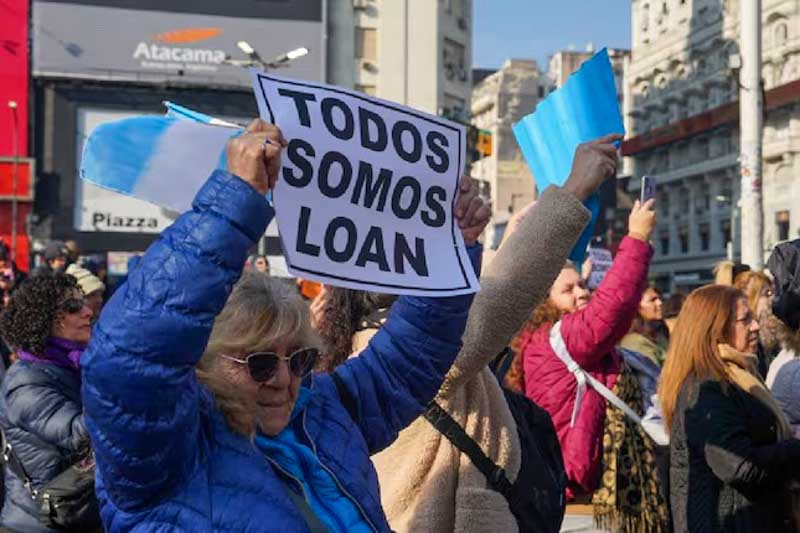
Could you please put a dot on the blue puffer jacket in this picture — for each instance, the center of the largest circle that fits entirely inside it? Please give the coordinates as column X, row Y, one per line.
column 166, row 458
column 40, row 413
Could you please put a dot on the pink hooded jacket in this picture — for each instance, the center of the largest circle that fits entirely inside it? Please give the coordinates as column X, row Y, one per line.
column 590, row 335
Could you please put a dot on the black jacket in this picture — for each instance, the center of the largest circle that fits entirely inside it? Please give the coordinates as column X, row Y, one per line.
column 41, row 416
column 728, row 471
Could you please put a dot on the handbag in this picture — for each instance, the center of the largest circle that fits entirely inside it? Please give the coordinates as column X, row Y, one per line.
column 67, row 502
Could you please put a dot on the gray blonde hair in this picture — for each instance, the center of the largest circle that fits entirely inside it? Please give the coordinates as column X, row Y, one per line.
column 261, row 313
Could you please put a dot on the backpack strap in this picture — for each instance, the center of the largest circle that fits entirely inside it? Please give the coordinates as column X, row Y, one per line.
column 502, row 363
column 314, row 524
column 447, row 426
column 347, row 399
column 584, row 378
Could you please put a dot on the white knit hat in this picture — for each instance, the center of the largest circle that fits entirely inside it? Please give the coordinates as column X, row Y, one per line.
column 87, row 281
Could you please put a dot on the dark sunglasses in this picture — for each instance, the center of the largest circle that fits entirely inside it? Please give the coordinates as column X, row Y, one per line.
column 263, row 365
column 72, row 305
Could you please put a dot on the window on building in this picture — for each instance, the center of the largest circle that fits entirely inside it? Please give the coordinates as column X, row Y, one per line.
column 367, row 89
column 540, row 91
column 663, row 204
column 683, row 239
column 454, row 61
column 683, row 201
column 663, row 239
column 455, row 108
column 702, row 202
column 367, row 44
column 782, row 225
column 726, row 194
column 725, row 230
column 704, row 231
column 781, row 34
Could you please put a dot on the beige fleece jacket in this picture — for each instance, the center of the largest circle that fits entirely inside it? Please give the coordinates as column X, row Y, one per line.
column 426, row 483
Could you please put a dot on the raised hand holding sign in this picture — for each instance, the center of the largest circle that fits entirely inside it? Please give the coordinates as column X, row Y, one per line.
column 367, row 190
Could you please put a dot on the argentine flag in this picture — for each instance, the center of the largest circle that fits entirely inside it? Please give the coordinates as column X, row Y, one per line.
column 162, row 160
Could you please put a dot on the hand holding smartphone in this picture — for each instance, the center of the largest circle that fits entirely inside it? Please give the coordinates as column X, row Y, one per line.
column 648, row 188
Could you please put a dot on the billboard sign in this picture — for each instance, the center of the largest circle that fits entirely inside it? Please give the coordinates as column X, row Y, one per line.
column 186, row 42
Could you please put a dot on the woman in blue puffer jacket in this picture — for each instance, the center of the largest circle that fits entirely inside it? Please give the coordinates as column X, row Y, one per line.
column 204, row 425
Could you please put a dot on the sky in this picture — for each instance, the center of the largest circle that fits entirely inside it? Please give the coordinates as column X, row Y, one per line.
column 537, row 28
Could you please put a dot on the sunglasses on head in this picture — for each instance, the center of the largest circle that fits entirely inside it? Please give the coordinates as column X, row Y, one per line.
column 263, row 365
column 72, row 305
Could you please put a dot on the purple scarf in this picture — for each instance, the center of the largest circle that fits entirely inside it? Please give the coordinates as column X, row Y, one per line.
column 59, row 352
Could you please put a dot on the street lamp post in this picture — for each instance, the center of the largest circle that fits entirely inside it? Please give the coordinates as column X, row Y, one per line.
column 254, row 59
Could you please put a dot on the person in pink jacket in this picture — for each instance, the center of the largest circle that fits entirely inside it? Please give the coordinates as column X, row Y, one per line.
column 608, row 458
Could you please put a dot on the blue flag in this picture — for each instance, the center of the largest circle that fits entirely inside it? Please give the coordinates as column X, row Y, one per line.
column 585, row 108
column 163, row 160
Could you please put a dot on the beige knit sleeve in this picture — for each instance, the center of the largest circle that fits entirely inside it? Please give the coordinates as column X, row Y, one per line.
column 516, row 281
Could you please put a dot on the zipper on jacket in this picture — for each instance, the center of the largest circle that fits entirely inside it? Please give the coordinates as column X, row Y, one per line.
column 290, row 476
column 338, row 484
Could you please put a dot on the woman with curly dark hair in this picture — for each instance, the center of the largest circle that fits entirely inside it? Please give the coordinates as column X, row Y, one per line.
column 346, row 319
column 336, row 313
column 48, row 324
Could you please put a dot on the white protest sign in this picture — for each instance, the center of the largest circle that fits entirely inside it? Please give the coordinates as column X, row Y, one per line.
column 601, row 263
column 366, row 192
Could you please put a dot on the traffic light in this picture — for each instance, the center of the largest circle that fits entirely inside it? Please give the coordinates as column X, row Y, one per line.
column 484, row 144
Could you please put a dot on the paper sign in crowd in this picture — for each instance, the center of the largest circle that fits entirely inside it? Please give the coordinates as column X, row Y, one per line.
column 602, row 260
column 366, row 192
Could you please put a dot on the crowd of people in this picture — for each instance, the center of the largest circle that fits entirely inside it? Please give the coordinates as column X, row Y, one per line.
column 207, row 395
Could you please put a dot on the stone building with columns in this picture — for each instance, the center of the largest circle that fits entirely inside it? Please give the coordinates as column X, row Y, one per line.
column 683, row 114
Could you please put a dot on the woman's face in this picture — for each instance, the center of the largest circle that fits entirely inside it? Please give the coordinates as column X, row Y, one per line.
column 569, row 292
column 74, row 318
column 95, row 302
column 650, row 305
column 745, row 329
column 764, row 302
column 275, row 398
column 261, row 265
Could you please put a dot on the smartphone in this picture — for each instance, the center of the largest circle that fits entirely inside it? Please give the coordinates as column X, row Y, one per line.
column 648, row 188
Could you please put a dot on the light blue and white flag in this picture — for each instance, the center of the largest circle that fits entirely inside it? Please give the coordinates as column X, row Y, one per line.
column 163, row 160
column 585, row 108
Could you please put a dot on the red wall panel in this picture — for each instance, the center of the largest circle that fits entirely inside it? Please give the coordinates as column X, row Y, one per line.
column 14, row 87
column 13, row 74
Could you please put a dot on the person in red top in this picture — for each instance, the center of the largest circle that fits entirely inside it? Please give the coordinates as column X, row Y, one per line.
column 609, row 460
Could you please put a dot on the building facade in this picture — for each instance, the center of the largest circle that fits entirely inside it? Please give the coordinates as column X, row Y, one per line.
column 683, row 112
column 498, row 102
column 413, row 52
